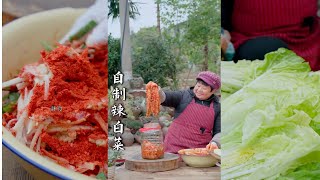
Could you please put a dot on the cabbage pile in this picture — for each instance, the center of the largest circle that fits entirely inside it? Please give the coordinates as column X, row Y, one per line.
column 270, row 118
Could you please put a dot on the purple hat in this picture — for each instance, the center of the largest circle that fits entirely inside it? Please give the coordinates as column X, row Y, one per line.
column 212, row 79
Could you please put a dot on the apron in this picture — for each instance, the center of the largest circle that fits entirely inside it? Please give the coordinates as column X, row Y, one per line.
column 280, row 19
column 191, row 129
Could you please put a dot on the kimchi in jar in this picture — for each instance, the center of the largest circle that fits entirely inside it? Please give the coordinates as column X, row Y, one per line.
column 152, row 146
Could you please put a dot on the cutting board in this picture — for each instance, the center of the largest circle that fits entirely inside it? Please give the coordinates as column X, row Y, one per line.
column 137, row 163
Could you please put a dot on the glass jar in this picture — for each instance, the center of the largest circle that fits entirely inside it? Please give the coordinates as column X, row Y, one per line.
column 152, row 146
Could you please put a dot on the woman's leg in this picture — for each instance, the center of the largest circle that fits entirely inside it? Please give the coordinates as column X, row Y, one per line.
column 256, row 48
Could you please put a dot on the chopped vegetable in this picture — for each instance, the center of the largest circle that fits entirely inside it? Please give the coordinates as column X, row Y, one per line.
column 83, row 31
column 8, row 108
column 211, row 147
column 153, row 99
column 10, row 102
column 83, row 46
column 194, row 152
column 46, row 46
column 152, row 150
column 54, row 120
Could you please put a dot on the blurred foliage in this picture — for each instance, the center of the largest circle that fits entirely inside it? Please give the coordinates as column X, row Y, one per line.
column 114, row 61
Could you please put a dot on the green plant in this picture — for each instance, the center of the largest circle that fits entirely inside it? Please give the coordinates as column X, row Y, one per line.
column 155, row 62
column 110, row 133
column 114, row 9
column 138, row 133
column 114, row 62
column 167, row 123
column 163, row 113
column 141, row 102
column 128, row 105
column 132, row 124
column 194, row 31
column 113, row 155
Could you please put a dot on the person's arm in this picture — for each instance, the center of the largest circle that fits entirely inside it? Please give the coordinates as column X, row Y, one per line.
column 214, row 143
column 227, row 49
column 217, row 128
column 217, row 124
column 226, row 14
column 170, row 98
column 216, row 139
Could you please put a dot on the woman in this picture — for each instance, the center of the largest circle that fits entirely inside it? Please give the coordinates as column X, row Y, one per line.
column 261, row 26
column 197, row 115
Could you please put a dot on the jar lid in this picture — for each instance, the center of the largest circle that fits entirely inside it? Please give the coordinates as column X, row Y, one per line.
column 152, row 125
column 148, row 129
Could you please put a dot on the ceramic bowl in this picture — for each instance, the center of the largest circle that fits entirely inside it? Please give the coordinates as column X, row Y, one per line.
column 21, row 44
column 200, row 161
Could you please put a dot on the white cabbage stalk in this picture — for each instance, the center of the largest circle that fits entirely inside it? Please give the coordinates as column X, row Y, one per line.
column 99, row 142
column 72, row 128
column 41, row 73
column 38, row 145
column 85, row 167
column 12, row 82
column 67, row 136
column 101, row 122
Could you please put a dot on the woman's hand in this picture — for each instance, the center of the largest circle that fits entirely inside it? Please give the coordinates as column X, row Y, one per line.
column 212, row 146
column 226, row 46
column 161, row 94
column 225, row 39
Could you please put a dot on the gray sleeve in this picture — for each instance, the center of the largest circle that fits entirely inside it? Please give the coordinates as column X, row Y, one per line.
column 172, row 98
column 216, row 139
column 217, row 124
column 217, row 119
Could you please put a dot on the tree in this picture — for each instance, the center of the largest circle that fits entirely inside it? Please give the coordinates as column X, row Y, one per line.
column 143, row 36
column 198, row 24
column 120, row 9
column 114, row 9
column 158, row 16
column 152, row 57
column 113, row 58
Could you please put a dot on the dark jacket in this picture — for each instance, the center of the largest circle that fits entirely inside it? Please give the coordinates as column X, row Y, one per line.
column 181, row 99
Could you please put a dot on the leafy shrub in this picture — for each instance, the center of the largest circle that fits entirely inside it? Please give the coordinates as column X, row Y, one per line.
column 114, row 62
column 155, row 62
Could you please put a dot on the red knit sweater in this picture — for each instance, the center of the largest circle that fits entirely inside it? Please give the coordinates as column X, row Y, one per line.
column 283, row 19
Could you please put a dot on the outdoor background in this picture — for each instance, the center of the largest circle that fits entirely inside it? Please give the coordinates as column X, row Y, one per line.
column 171, row 41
